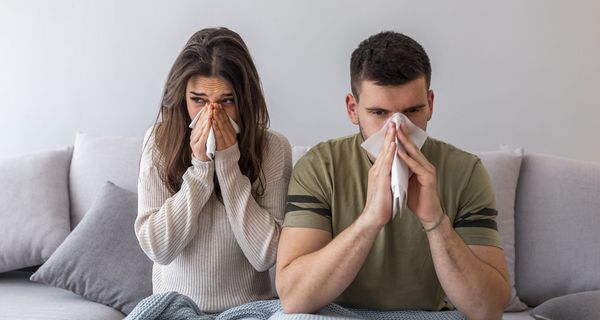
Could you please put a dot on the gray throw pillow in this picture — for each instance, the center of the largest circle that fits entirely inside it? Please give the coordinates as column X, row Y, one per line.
column 504, row 167
column 97, row 159
column 101, row 259
column 34, row 207
column 580, row 306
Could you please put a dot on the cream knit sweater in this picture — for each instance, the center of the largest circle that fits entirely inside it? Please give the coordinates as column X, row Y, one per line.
column 216, row 253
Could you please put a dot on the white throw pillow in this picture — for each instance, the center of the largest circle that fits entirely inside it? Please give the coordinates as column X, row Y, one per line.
column 97, row 159
column 34, row 207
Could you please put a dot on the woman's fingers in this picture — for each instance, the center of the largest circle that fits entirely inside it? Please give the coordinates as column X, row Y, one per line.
column 200, row 133
column 226, row 122
column 226, row 135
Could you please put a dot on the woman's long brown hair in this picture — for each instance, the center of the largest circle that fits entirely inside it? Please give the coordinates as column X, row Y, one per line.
column 214, row 52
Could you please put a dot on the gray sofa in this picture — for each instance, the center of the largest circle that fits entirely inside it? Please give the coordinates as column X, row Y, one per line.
column 554, row 234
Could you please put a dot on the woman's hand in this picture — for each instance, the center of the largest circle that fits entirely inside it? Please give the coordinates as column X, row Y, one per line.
column 200, row 132
column 225, row 134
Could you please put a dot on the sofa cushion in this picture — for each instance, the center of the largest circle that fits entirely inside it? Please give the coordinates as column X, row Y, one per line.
column 580, row 306
column 101, row 259
column 21, row 299
column 97, row 159
column 503, row 167
column 34, row 207
column 557, row 221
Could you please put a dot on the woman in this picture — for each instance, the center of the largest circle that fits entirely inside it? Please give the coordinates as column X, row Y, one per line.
column 211, row 226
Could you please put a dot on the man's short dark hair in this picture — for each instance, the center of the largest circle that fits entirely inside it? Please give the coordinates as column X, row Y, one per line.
column 388, row 58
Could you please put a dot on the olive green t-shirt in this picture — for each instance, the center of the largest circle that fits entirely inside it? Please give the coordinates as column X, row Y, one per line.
column 328, row 190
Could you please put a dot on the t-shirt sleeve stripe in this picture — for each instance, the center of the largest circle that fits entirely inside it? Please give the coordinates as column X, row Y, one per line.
column 486, row 212
column 483, row 223
column 302, row 199
column 321, row 211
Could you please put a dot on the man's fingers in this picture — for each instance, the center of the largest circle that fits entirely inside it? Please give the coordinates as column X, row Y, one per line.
column 409, row 146
column 389, row 157
column 390, row 134
column 413, row 165
column 412, row 150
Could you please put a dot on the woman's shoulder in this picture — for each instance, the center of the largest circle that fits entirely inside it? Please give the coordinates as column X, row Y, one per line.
column 150, row 132
column 277, row 148
column 276, row 140
column 148, row 148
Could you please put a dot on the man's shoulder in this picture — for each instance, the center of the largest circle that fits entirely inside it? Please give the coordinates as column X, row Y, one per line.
column 330, row 151
column 334, row 147
column 440, row 153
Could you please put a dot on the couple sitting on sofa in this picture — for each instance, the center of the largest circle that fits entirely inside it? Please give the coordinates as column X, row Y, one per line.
column 219, row 203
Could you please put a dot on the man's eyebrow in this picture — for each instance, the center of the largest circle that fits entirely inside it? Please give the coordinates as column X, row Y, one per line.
column 415, row 106
column 227, row 94
column 375, row 108
column 198, row 94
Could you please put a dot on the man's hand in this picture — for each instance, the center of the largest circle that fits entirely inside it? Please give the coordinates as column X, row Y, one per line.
column 378, row 208
column 225, row 134
column 422, row 196
column 200, row 134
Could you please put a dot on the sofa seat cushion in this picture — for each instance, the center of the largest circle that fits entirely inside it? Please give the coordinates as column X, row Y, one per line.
column 522, row 315
column 21, row 298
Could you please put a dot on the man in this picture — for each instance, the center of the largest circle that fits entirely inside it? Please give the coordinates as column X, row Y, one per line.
column 339, row 242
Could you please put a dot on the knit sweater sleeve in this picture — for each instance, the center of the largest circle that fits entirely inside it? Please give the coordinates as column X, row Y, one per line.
column 166, row 222
column 256, row 223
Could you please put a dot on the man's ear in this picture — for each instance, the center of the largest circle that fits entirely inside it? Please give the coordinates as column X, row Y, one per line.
column 430, row 96
column 352, row 108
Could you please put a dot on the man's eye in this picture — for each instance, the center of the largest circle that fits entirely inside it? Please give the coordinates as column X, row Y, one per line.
column 414, row 110
column 378, row 113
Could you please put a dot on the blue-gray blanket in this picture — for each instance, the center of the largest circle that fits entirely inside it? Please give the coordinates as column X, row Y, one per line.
column 175, row 306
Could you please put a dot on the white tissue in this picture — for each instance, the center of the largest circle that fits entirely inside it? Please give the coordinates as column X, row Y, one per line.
column 400, row 171
column 211, row 145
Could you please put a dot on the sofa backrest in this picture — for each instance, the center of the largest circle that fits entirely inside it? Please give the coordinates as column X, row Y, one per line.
column 557, row 224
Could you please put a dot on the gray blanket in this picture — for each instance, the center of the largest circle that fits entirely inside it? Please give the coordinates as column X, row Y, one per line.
column 175, row 306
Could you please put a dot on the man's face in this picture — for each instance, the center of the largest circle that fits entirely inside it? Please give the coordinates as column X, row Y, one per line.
column 377, row 103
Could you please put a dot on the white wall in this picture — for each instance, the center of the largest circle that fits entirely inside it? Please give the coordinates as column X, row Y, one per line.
column 523, row 73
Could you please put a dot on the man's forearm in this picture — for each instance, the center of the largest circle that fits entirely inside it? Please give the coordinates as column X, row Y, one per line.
column 312, row 281
column 474, row 287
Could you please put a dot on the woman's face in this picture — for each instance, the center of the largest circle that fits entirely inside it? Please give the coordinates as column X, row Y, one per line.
column 202, row 91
